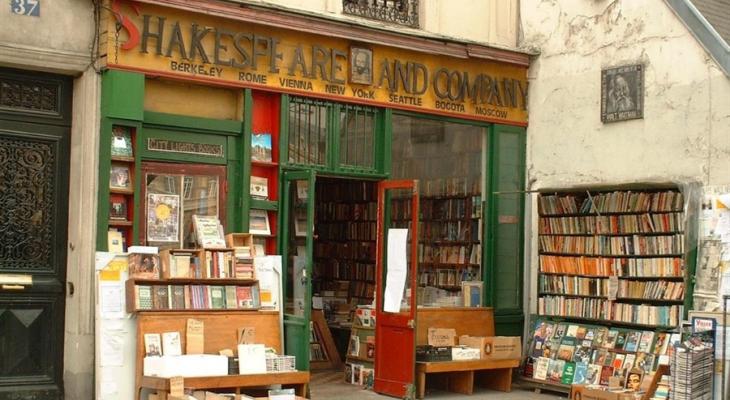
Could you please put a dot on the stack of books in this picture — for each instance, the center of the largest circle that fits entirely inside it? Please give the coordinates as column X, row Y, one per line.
column 244, row 262
column 692, row 370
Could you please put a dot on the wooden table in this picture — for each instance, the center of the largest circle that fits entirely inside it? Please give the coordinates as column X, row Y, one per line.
column 298, row 380
column 459, row 376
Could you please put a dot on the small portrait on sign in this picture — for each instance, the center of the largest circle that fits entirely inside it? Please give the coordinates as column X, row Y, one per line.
column 361, row 65
column 622, row 93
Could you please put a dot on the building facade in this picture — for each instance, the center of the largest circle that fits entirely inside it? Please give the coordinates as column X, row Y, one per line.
column 49, row 102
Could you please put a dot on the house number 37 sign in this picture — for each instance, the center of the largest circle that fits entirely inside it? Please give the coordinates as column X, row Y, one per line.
column 26, row 7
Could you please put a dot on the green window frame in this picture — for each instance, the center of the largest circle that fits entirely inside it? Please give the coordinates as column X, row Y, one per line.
column 326, row 136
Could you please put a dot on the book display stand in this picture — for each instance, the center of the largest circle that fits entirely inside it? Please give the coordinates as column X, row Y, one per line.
column 322, row 349
column 121, row 187
column 611, row 285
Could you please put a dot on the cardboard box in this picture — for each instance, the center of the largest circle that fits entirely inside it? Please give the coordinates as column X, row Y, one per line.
column 464, row 353
column 583, row 392
column 502, row 348
column 441, row 337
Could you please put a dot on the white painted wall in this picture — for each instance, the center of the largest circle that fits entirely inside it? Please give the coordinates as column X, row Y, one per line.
column 60, row 41
column 493, row 22
column 685, row 133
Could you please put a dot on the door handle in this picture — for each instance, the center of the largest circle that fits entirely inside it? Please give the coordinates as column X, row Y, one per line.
column 16, row 280
column 13, row 287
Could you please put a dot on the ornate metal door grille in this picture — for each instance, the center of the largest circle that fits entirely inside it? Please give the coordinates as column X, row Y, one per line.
column 403, row 12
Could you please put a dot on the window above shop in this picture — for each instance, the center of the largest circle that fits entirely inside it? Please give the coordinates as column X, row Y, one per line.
column 402, row 12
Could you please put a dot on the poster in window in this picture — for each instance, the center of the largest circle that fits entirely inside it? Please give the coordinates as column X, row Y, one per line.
column 163, row 217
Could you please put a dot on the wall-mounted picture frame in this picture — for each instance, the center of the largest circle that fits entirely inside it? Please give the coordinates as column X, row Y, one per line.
column 119, row 177
column 261, row 147
column 361, row 65
column 622, row 93
column 258, row 223
column 118, row 207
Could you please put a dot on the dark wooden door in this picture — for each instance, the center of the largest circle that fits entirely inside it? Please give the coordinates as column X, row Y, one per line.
column 34, row 162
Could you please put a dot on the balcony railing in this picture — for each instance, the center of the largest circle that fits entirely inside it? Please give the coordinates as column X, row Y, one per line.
column 403, row 12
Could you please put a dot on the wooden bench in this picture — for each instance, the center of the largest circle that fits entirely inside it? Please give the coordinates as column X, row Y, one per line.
column 297, row 380
column 461, row 376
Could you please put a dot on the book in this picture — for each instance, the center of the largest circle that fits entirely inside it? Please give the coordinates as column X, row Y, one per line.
column 541, row 368
column 629, row 361
column 600, row 337
column 259, row 187
column 171, row 344
column 261, row 147
column 618, row 361
column 582, row 354
column 208, row 231
column 572, row 331
column 608, row 361
column 152, row 344
column 660, row 346
column 594, row 374
column 180, row 265
column 568, row 373
column 632, row 341
column 217, row 297
column 121, row 141
column 566, row 349
column 177, row 294
column 611, row 338
column 258, row 222
column 118, row 207
column 143, row 296
column 606, row 374
column 644, row 361
column 143, row 265
column 160, row 297
column 231, row 301
column 620, row 340
column 581, row 333
column 555, row 370
column 244, row 297
column 115, row 241
column 581, row 373
column 538, row 345
column 599, row 356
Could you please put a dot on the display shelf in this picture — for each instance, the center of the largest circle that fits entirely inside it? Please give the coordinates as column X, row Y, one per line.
column 658, row 277
column 119, row 222
column 618, row 298
column 609, row 213
column 608, row 323
column 121, row 191
column 122, row 158
column 668, row 255
column 260, row 204
column 264, row 163
column 663, row 233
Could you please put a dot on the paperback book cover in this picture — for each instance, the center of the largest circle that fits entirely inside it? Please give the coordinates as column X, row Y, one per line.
column 594, row 374
column 618, row 362
column 610, row 341
column 581, row 334
column 581, row 373
column 160, row 297
column 662, row 342
column 541, row 368
column 610, row 356
column 560, row 331
column 629, row 361
column 217, row 297
column 178, row 297
column 144, row 297
column 645, row 361
column 566, row 349
column 572, row 331
column 599, row 356
column 620, row 340
column 606, row 374
column 600, row 338
column 555, row 370
column 231, row 297
column 647, row 337
column 537, row 346
column 568, row 373
column 171, row 344
column 590, row 334
column 632, row 341
column 582, row 354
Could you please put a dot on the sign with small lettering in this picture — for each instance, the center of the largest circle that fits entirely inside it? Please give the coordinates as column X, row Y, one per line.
column 169, row 42
column 201, row 149
column 26, row 7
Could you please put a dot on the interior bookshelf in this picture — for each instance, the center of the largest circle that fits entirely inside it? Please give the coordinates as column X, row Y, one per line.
column 121, row 185
column 192, row 295
column 449, row 233
column 264, row 179
column 614, row 255
column 323, row 352
column 344, row 252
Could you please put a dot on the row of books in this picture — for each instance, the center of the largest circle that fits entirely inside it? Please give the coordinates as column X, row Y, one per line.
column 662, row 290
column 353, row 250
column 346, row 231
column 613, row 245
column 316, row 353
column 333, row 268
column 616, row 224
column 606, row 266
column 448, row 277
column 573, row 285
column 618, row 201
column 580, row 373
column 329, row 212
column 604, row 309
column 195, row 297
column 451, row 208
column 460, row 230
column 444, row 254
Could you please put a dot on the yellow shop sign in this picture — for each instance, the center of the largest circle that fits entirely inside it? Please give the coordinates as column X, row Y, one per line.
column 178, row 44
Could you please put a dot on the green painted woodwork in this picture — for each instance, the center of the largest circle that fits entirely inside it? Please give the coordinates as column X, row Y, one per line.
column 245, row 152
column 193, row 124
column 122, row 95
column 508, row 325
column 296, row 327
column 384, row 160
column 264, row 204
column 169, row 134
column 503, row 271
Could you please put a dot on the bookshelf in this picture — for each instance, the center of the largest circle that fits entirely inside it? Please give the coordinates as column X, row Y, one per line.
column 449, row 235
column 323, row 352
column 344, row 252
column 121, row 186
column 609, row 261
column 360, row 356
column 615, row 256
column 264, row 172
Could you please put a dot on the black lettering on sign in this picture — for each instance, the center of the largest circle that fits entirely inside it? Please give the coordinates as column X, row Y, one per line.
column 147, row 34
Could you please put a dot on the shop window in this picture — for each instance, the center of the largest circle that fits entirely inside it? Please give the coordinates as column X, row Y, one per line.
column 172, row 194
column 448, row 161
column 333, row 136
column 308, row 132
column 357, row 137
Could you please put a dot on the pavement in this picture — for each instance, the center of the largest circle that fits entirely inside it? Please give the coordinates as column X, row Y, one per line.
column 329, row 385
